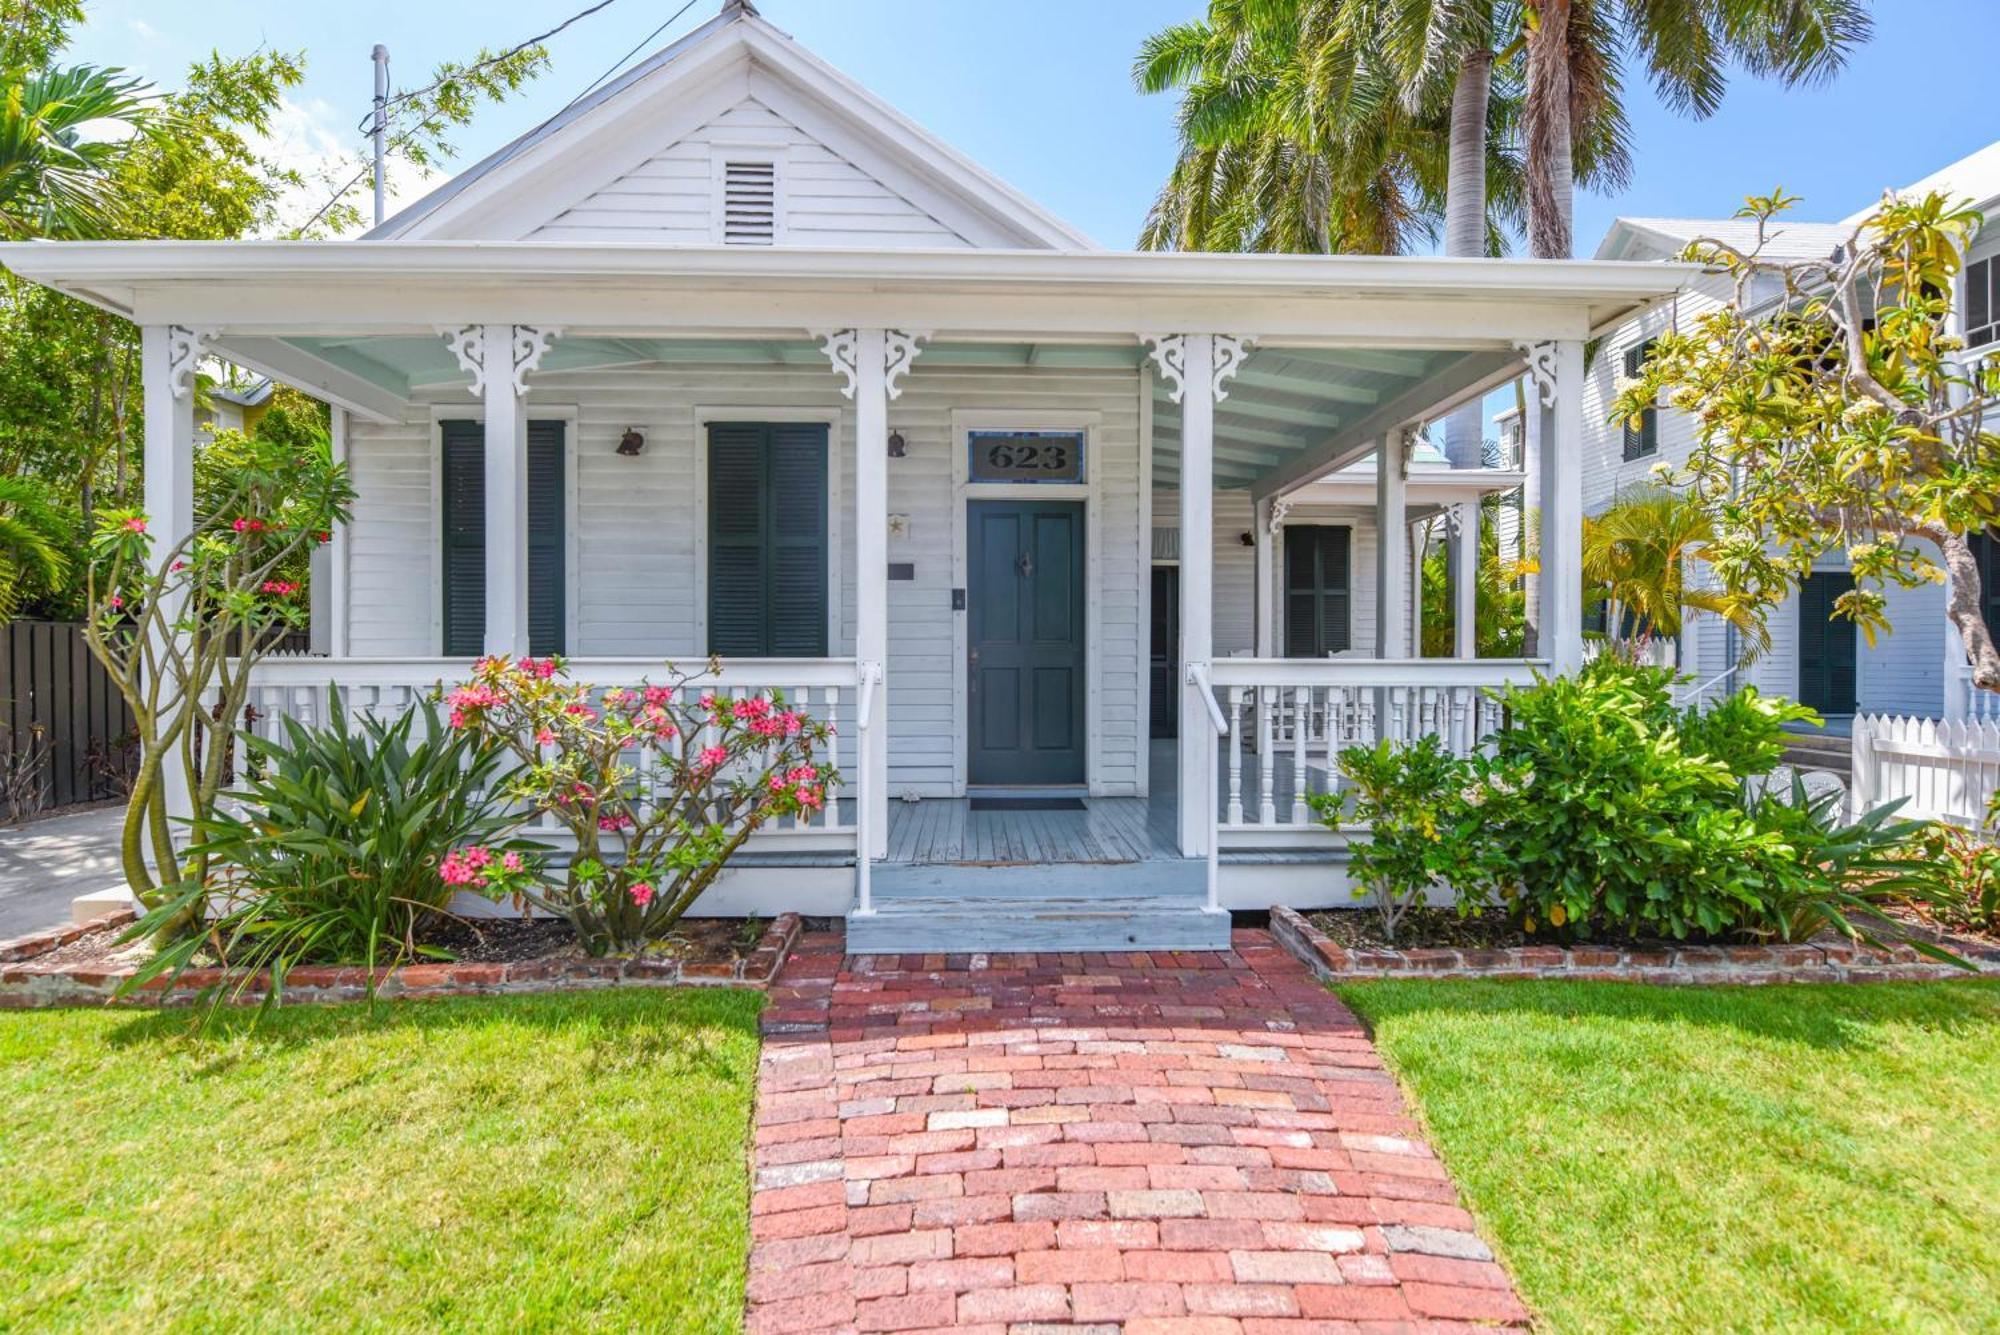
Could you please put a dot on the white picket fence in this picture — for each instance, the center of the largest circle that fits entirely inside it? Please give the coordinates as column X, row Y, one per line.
column 1948, row 771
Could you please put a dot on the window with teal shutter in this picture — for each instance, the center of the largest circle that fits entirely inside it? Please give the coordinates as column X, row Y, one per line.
column 1643, row 439
column 767, row 557
column 1317, row 590
column 464, row 538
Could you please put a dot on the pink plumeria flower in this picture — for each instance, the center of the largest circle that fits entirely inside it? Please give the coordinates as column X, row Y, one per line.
column 712, row 757
column 642, row 893
column 135, row 524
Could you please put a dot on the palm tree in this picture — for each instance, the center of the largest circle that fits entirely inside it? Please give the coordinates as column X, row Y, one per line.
column 33, row 535
column 1637, row 556
column 1574, row 52
column 1296, row 135
column 55, row 180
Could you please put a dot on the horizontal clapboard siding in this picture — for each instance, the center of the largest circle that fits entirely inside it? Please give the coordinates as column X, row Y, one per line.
column 673, row 198
column 635, row 585
column 1235, row 579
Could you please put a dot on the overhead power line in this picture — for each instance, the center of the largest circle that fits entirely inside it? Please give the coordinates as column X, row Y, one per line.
column 368, row 120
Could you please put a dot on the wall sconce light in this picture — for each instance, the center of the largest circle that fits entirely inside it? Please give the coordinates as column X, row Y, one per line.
column 898, row 447
column 1248, row 539
column 631, row 443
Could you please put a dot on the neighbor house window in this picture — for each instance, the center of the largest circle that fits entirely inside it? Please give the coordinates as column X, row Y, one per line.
column 1986, row 551
column 1642, row 438
column 1982, row 302
column 463, row 525
column 767, row 558
column 1317, row 582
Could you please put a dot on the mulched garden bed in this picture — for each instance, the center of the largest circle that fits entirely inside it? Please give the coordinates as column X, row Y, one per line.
column 84, row 964
column 1348, row 944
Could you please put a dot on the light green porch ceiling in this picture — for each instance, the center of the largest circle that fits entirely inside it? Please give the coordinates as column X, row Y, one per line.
column 1283, row 401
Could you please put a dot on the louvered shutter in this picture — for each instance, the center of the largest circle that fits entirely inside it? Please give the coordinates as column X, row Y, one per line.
column 464, row 537
column 464, row 531
column 796, row 483
column 547, row 592
column 1643, row 439
column 737, row 612
column 1317, row 595
column 767, row 558
column 1986, row 551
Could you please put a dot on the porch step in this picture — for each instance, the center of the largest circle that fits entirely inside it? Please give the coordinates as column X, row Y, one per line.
column 961, row 908
column 1818, row 751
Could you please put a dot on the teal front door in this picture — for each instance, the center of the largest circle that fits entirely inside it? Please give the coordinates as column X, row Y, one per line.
column 1025, row 662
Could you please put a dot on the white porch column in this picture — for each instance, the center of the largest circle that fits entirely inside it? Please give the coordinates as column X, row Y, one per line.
column 1464, row 522
column 873, row 362
column 1197, row 368
column 499, row 358
column 1392, row 562
column 329, row 566
column 1268, row 520
column 168, row 356
column 1558, row 371
column 1420, row 546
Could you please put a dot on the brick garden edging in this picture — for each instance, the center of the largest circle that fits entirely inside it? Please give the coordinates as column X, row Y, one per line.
column 1830, row 962
column 26, row 985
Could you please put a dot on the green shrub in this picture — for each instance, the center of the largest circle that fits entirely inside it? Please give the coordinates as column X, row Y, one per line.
column 1967, row 866
column 1833, row 874
column 1606, row 806
column 1418, row 822
column 1604, row 810
column 330, row 853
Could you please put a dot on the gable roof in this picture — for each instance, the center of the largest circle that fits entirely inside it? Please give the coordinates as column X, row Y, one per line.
column 1665, row 238
column 590, row 142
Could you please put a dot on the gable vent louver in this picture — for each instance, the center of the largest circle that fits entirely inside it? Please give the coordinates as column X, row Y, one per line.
column 749, row 203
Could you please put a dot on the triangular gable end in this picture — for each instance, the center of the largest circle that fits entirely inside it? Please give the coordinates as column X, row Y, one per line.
column 733, row 135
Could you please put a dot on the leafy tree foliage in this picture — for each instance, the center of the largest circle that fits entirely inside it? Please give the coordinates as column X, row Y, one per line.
column 1835, row 412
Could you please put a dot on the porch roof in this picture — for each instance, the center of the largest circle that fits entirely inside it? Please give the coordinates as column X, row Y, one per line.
column 1347, row 347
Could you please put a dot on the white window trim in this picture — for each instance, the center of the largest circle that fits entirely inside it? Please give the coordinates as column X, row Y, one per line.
column 749, row 150
column 963, row 423
column 830, row 418
column 565, row 413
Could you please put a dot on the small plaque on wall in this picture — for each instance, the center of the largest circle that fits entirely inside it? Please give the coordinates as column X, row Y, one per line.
column 902, row 570
column 1025, row 456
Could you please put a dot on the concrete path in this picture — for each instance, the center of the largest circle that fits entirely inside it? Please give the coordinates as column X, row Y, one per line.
column 45, row 863
column 1202, row 1143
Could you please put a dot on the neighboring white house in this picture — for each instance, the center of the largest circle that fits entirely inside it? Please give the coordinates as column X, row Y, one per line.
column 1920, row 669
column 730, row 358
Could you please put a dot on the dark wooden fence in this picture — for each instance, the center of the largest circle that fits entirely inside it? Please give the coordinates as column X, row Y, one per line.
column 68, row 734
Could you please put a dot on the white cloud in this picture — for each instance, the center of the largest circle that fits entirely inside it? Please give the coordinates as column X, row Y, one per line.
column 143, row 30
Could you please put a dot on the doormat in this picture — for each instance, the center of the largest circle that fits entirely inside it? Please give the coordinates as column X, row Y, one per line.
column 1027, row 804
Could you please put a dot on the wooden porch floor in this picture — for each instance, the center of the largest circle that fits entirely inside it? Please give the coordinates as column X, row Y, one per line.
column 946, row 831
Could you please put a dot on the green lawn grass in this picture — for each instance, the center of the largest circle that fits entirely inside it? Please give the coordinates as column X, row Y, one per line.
column 519, row 1163
column 1779, row 1158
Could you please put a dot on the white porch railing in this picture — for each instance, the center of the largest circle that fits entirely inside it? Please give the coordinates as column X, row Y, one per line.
column 1965, row 700
column 825, row 688
column 1289, row 719
column 1945, row 771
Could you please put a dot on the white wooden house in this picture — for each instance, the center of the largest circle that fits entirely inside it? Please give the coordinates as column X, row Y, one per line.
column 730, row 357
column 1920, row 669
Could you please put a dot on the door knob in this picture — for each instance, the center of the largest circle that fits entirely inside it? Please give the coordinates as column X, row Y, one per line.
column 1026, row 565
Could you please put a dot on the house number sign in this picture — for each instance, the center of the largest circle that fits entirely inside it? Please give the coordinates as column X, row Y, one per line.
column 1026, row 456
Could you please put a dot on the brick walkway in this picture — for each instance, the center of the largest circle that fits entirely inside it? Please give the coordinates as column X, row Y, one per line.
column 1149, row 1143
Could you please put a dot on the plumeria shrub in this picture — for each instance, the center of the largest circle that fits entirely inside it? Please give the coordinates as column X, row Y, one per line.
column 180, row 631
column 658, row 784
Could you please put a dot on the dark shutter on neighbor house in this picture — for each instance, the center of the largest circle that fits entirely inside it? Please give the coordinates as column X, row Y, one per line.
column 1643, row 439
column 1317, row 582
column 464, row 538
column 767, row 558
column 1986, row 551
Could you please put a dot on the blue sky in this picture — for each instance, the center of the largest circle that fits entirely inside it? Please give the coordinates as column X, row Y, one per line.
column 1039, row 90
